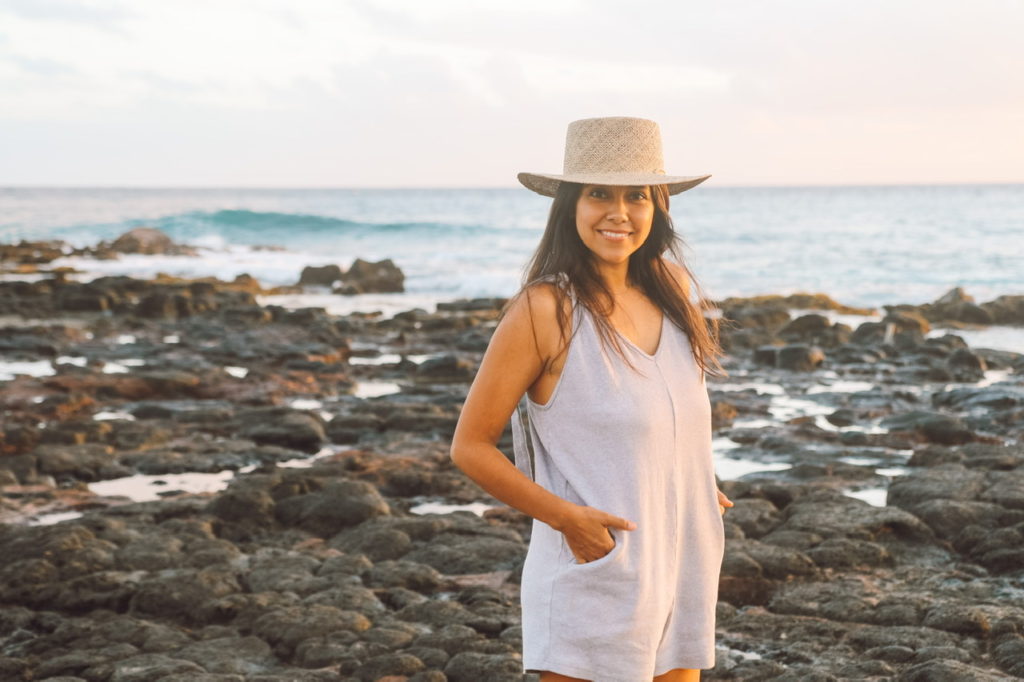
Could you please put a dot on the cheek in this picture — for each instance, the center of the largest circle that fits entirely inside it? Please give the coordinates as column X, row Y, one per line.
column 646, row 218
column 586, row 217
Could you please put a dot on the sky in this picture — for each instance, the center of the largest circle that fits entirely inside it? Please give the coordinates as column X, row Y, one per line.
column 466, row 93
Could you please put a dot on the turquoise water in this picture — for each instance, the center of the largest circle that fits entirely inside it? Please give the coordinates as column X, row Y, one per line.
column 861, row 245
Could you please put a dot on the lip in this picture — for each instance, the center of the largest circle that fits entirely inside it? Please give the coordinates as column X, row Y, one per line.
column 623, row 233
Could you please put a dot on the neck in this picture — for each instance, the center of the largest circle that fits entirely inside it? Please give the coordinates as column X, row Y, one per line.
column 615, row 278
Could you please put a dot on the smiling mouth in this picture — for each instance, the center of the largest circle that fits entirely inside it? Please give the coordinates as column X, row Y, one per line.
column 614, row 236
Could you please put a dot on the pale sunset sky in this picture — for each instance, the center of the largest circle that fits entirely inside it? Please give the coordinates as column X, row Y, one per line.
column 461, row 93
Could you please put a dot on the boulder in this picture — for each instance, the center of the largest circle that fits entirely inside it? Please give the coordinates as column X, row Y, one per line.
column 283, row 426
column 470, row 666
column 364, row 277
column 323, row 275
column 1006, row 309
column 339, row 505
column 934, row 427
column 799, row 357
column 149, row 241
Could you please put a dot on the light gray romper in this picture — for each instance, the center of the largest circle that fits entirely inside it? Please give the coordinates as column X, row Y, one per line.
column 639, row 447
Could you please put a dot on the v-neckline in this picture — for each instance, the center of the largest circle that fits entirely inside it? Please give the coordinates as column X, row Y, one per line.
column 661, row 340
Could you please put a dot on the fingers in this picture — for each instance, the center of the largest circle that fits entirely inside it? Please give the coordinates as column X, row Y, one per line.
column 590, row 538
column 723, row 502
column 593, row 552
column 610, row 521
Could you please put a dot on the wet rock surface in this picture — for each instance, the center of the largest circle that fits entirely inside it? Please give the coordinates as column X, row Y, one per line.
column 879, row 533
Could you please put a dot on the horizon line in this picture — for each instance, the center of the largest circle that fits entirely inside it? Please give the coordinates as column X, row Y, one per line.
column 489, row 187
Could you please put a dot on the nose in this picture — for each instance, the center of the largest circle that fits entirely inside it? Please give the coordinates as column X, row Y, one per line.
column 617, row 212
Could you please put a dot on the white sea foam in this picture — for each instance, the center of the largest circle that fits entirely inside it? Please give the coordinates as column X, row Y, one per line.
column 729, row 468
column 113, row 414
column 144, row 487
column 304, row 404
column 374, row 389
column 50, row 519
column 477, row 508
column 33, row 368
column 996, row 337
column 873, row 496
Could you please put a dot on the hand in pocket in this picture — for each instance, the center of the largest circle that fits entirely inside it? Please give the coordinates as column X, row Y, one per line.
column 586, row 532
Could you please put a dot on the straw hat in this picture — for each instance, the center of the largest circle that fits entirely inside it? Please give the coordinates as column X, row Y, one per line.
column 616, row 150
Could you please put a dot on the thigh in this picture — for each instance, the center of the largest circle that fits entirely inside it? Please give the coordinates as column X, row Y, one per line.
column 677, row 675
column 680, row 675
column 548, row 676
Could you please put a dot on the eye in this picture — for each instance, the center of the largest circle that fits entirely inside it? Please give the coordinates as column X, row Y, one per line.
column 597, row 193
column 638, row 195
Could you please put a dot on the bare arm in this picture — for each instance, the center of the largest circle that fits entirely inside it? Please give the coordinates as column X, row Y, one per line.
column 513, row 361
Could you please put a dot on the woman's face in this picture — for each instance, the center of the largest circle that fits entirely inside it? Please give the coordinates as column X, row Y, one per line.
column 614, row 221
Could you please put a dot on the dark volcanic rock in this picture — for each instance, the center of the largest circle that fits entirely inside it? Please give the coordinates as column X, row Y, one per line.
column 948, row 671
column 794, row 357
column 408, row 574
column 469, row 666
column 323, row 275
column 146, row 667
column 149, row 241
column 445, row 368
column 831, row 514
column 366, row 277
column 339, row 505
column 283, row 426
column 184, row 593
column 933, row 426
column 286, row 628
column 1006, row 310
column 230, row 655
column 400, row 664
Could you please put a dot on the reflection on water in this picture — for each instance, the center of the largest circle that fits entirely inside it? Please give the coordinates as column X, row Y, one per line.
column 145, row 487
column 477, row 508
column 729, row 468
column 873, row 496
column 33, row 368
column 374, row 389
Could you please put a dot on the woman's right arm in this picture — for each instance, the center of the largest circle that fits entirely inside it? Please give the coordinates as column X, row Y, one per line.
column 514, row 359
column 511, row 364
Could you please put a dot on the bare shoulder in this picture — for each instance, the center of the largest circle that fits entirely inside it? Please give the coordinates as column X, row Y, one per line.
column 535, row 311
column 679, row 275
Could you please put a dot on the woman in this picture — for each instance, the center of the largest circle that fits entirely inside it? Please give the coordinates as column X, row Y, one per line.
column 620, row 581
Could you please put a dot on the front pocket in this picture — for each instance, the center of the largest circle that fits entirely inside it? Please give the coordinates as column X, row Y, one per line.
column 600, row 560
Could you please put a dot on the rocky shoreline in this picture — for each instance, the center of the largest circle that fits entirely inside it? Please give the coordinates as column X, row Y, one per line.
column 878, row 533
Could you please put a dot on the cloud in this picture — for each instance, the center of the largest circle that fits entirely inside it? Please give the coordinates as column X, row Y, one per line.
column 40, row 66
column 457, row 91
column 92, row 13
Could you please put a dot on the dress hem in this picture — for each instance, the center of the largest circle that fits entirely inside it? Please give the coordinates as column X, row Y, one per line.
column 591, row 674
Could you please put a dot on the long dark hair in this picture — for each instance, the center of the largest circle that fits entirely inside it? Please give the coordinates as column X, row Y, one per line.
column 563, row 259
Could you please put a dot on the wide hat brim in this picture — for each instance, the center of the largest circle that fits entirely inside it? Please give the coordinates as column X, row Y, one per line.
column 547, row 184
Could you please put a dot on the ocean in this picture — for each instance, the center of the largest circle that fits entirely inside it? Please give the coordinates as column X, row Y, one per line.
column 864, row 246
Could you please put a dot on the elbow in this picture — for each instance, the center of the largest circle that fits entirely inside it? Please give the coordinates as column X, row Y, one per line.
column 457, row 454
column 466, row 453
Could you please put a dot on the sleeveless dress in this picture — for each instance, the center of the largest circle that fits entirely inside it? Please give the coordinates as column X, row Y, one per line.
column 637, row 446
